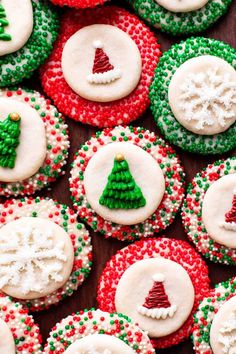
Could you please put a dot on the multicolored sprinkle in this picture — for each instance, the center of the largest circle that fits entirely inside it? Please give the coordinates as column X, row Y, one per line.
column 192, row 212
column 66, row 218
column 175, row 250
column 165, row 157
column 25, row 332
column 88, row 322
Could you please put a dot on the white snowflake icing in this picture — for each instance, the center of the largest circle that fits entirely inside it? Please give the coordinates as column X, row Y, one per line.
column 24, row 255
column 228, row 335
column 208, row 97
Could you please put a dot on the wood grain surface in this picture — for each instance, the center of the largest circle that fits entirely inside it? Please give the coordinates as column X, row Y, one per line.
column 103, row 249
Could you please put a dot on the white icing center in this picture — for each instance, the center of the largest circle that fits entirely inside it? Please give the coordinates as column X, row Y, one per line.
column 218, row 211
column 182, row 5
column 7, row 344
column 223, row 329
column 156, row 293
column 202, row 95
column 147, row 175
column 30, row 257
column 101, row 63
column 20, row 26
column 99, row 344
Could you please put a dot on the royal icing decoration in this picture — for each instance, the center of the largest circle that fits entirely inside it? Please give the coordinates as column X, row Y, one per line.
column 202, row 95
column 157, row 304
column 103, row 71
column 230, row 217
column 227, row 334
column 3, row 23
column 208, row 96
column 24, row 256
column 121, row 191
column 9, row 140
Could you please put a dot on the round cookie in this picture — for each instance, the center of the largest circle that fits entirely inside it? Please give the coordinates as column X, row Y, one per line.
column 142, row 197
column 214, row 322
column 80, row 4
column 208, row 211
column 26, row 38
column 37, row 148
column 148, row 280
column 181, row 17
column 48, row 254
column 193, row 95
column 103, row 66
column 97, row 331
column 18, row 332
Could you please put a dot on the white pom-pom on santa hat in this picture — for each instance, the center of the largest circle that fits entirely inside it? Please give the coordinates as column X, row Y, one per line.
column 158, row 277
column 97, row 44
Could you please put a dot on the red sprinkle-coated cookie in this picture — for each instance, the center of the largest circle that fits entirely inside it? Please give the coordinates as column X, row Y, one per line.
column 174, row 250
column 80, row 4
column 108, row 114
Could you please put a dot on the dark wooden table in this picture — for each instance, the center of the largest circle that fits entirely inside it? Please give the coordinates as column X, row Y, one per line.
column 103, row 249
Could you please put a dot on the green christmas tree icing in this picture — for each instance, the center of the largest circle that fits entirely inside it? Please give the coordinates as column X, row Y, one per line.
column 3, row 23
column 121, row 191
column 9, row 140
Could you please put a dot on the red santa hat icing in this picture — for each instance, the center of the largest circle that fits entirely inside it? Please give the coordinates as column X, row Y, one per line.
column 103, row 71
column 230, row 216
column 157, row 304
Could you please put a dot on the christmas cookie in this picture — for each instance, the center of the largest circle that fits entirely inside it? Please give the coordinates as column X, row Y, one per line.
column 193, row 96
column 44, row 253
column 27, row 33
column 103, row 61
column 97, row 332
column 209, row 213
column 126, row 183
column 18, row 332
column 158, row 283
column 80, row 4
column 33, row 142
column 181, row 17
column 215, row 321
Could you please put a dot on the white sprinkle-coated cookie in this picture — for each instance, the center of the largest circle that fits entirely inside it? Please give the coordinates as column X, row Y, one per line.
column 208, row 211
column 43, row 142
column 104, row 332
column 163, row 160
column 214, row 321
column 32, row 250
